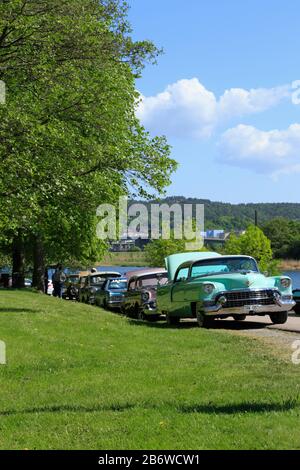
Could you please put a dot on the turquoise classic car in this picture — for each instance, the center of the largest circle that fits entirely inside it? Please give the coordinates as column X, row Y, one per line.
column 207, row 286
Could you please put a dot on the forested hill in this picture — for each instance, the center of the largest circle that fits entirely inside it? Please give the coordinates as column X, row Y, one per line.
column 222, row 215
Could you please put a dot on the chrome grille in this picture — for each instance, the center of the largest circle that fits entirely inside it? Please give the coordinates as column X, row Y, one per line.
column 249, row 297
column 117, row 298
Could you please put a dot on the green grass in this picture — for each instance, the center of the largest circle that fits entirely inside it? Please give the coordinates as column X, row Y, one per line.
column 80, row 378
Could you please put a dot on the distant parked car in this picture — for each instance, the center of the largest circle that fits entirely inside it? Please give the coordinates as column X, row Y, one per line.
column 140, row 297
column 28, row 282
column 296, row 295
column 94, row 282
column 111, row 294
column 71, row 287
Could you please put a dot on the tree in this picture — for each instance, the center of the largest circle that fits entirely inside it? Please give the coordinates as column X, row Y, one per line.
column 157, row 250
column 284, row 235
column 69, row 137
column 252, row 243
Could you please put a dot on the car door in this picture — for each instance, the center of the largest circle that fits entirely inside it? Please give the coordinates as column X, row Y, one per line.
column 100, row 295
column 130, row 294
column 180, row 306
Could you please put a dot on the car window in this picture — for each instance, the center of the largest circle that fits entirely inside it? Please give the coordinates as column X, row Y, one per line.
column 183, row 273
column 199, row 270
column 152, row 280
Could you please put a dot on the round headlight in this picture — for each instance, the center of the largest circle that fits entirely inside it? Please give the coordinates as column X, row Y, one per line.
column 145, row 296
column 285, row 282
column 208, row 288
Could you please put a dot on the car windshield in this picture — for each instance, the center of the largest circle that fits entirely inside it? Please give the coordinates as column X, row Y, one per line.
column 107, row 275
column 117, row 285
column 99, row 280
column 74, row 279
column 152, row 280
column 224, row 266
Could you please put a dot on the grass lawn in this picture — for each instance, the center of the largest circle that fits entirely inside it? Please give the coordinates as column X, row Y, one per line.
column 81, row 378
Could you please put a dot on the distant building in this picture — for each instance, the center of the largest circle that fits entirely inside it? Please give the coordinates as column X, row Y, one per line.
column 122, row 245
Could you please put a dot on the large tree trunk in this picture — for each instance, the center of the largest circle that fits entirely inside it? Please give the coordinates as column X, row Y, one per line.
column 18, row 255
column 38, row 278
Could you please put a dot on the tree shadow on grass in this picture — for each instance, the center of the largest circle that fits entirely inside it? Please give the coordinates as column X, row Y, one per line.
column 163, row 324
column 17, row 310
column 236, row 408
column 209, row 408
column 117, row 407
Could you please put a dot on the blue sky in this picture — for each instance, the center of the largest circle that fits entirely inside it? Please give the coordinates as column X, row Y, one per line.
column 222, row 93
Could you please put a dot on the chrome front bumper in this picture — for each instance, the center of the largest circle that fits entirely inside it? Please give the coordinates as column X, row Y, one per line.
column 115, row 303
column 257, row 309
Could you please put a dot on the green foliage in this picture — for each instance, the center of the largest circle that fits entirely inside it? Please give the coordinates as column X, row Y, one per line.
column 135, row 249
column 285, row 237
column 229, row 217
column 252, row 243
column 70, row 139
column 157, row 250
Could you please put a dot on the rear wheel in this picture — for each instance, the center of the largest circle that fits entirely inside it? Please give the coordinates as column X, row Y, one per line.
column 279, row 318
column 239, row 317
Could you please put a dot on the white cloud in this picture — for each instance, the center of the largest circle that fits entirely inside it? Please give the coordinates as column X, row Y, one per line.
column 274, row 152
column 187, row 109
column 238, row 102
column 184, row 109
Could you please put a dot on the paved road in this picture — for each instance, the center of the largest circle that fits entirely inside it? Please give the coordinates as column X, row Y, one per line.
column 292, row 325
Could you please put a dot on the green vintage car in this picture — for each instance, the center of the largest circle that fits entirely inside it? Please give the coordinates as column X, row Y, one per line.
column 207, row 286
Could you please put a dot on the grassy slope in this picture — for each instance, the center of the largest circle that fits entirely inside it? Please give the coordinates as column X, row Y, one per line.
column 78, row 377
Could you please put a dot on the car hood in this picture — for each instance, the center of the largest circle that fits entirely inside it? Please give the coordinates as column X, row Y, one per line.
column 239, row 281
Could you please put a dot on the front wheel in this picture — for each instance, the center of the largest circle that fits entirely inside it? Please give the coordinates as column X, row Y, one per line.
column 239, row 317
column 203, row 320
column 297, row 309
column 140, row 314
column 279, row 318
column 172, row 321
column 123, row 310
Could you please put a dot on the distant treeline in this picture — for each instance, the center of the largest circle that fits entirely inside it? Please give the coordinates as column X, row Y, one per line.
column 223, row 215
